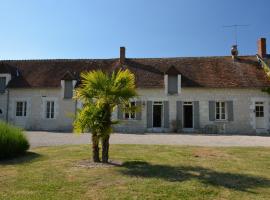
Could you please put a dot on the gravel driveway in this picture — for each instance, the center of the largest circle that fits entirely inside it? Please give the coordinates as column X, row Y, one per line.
column 38, row 138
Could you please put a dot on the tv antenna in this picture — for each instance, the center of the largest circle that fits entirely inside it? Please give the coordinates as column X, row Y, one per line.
column 235, row 28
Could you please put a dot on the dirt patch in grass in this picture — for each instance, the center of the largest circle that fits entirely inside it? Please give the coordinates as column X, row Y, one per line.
column 209, row 152
column 91, row 164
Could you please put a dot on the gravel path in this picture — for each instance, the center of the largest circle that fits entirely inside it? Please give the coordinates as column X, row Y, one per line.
column 38, row 138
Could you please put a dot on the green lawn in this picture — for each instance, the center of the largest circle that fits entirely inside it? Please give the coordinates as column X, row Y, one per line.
column 148, row 172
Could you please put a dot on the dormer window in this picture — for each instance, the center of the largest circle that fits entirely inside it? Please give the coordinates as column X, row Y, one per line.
column 68, row 82
column 172, row 81
column 68, row 90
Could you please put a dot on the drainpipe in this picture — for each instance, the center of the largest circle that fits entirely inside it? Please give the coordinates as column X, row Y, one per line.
column 7, row 105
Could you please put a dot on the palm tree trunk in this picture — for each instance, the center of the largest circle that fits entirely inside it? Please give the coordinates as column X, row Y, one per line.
column 105, row 148
column 95, row 148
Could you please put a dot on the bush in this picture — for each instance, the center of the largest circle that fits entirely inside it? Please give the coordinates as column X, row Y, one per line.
column 12, row 141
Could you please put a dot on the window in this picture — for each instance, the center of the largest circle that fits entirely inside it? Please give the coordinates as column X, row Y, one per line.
column 21, row 107
column 259, row 109
column 50, row 110
column 68, row 90
column 220, row 110
column 2, row 84
column 130, row 114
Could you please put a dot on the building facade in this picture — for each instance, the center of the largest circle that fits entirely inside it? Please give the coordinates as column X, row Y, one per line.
column 204, row 95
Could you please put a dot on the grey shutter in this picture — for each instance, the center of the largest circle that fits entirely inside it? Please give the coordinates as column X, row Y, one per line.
column 230, row 110
column 149, row 114
column 68, row 90
column 172, row 84
column 166, row 114
column 119, row 113
column 212, row 111
column 2, row 84
column 179, row 111
column 139, row 111
column 196, row 115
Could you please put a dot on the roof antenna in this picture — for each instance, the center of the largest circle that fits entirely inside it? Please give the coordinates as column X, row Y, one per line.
column 235, row 28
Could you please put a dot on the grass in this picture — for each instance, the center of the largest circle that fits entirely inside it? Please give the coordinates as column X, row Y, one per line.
column 12, row 141
column 148, row 172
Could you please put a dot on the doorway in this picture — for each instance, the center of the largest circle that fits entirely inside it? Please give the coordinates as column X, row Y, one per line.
column 157, row 114
column 260, row 115
column 188, row 115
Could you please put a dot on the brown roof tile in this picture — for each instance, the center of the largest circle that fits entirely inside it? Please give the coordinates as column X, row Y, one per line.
column 214, row 72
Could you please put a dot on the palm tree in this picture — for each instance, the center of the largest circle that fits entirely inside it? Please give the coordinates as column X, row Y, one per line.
column 100, row 94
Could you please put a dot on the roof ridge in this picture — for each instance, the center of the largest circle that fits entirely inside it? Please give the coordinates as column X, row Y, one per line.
column 108, row 59
column 190, row 57
column 59, row 59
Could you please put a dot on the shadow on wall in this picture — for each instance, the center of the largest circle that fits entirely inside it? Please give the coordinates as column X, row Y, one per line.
column 239, row 182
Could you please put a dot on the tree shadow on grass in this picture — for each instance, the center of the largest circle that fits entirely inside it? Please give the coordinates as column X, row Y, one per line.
column 27, row 157
column 234, row 181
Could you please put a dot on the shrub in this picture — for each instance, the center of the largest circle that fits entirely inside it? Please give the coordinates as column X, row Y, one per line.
column 12, row 141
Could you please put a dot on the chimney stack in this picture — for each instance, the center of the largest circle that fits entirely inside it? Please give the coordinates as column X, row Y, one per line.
column 262, row 47
column 122, row 55
column 234, row 52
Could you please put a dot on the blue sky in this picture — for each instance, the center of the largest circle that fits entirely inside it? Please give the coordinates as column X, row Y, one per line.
column 37, row 29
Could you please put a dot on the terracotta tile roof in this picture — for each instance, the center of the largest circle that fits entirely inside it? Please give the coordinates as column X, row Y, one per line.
column 214, row 72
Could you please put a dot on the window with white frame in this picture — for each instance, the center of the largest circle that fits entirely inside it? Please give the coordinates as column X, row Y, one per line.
column 130, row 113
column 259, row 109
column 50, row 110
column 21, row 108
column 220, row 110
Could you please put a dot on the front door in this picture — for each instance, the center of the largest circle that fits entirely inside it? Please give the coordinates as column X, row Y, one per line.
column 188, row 115
column 260, row 115
column 157, row 114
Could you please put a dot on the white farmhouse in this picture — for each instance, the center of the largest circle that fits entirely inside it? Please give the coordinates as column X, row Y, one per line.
column 196, row 94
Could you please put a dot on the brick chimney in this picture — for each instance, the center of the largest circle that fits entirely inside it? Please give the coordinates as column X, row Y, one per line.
column 122, row 55
column 262, row 47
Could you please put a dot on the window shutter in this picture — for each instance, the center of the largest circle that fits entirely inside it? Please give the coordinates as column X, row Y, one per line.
column 179, row 111
column 166, row 114
column 68, row 90
column 196, row 115
column 119, row 113
column 212, row 111
column 230, row 110
column 139, row 111
column 2, row 84
column 149, row 114
column 172, row 84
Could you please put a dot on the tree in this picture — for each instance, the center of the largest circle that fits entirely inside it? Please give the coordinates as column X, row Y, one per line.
column 266, row 69
column 100, row 94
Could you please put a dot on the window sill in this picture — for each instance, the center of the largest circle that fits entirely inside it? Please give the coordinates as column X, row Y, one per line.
column 21, row 116
column 174, row 94
column 221, row 120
